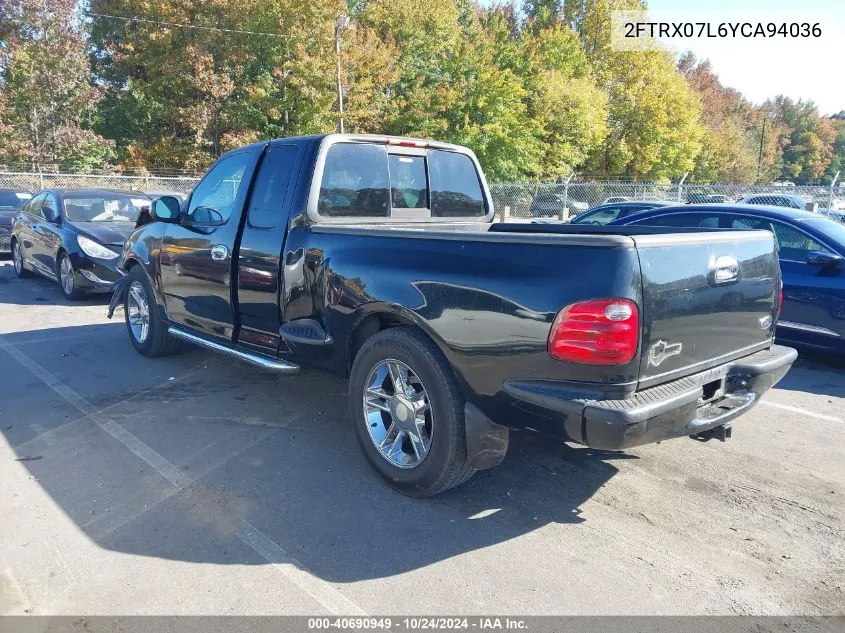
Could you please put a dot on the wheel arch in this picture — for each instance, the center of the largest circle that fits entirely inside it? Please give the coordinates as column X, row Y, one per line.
column 375, row 317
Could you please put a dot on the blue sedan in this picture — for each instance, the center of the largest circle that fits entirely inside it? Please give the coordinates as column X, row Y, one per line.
column 812, row 261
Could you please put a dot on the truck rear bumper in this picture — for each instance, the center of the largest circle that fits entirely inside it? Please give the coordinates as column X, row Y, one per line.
column 685, row 407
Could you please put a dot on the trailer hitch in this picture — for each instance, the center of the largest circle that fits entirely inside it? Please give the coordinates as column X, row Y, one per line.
column 720, row 433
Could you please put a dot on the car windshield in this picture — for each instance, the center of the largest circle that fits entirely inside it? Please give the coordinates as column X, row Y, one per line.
column 13, row 199
column 113, row 208
column 829, row 228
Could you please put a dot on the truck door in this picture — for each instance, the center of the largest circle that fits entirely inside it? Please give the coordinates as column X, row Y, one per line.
column 196, row 254
column 261, row 243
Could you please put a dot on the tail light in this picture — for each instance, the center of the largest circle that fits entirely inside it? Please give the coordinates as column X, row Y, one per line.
column 596, row 332
column 780, row 298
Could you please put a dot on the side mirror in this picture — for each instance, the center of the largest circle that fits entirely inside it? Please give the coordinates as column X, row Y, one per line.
column 825, row 260
column 166, row 209
column 50, row 215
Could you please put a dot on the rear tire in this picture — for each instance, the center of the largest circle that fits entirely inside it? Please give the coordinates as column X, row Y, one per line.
column 429, row 378
column 147, row 330
column 17, row 259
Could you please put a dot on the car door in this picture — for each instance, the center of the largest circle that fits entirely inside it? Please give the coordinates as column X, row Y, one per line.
column 49, row 231
column 813, row 295
column 196, row 254
column 28, row 234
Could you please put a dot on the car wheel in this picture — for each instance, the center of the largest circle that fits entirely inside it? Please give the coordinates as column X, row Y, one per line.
column 147, row 330
column 409, row 413
column 17, row 259
column 67, row 278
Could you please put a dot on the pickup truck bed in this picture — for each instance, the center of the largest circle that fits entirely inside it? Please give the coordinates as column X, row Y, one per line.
column 454, row 330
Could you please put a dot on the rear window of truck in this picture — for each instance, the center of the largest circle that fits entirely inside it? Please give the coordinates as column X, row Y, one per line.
column 363, row 180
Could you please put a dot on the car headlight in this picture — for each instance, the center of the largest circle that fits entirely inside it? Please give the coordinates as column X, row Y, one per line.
column 92, row 249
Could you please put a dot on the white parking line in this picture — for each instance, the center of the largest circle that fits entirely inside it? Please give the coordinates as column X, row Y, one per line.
column 323, row 592
column 318, row 589
column 812, row 414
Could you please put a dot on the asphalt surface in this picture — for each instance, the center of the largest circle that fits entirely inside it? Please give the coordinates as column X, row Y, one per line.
column 195, row 484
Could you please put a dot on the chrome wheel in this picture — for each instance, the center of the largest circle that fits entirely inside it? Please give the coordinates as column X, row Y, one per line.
column 398, row 414
column 66, row 275
column 17, row 258
column 138, row 312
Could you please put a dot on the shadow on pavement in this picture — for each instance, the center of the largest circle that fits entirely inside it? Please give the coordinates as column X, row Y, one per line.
column 817, row 373
column 256, row 450
column 38, row 290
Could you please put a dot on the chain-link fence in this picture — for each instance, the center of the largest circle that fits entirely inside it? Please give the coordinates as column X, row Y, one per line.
column 567, row 200
column 150, row 184
column 512, row 201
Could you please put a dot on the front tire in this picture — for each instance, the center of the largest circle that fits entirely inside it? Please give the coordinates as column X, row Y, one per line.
column 147, row 330
column 409, row 413
column 17, row 259
column 67, row 278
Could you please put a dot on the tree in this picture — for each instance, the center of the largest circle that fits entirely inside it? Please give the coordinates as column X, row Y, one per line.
column 837, row 163
column 251, row 70
column 47, row 100
column 729, row 143
column 563, row 97
column 805, row 140
column 450, row 85
column 654, row 115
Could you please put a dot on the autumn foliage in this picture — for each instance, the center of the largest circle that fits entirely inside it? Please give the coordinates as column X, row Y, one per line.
column 534, row 89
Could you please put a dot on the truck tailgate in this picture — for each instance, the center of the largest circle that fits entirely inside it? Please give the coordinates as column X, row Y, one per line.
column 707, row 298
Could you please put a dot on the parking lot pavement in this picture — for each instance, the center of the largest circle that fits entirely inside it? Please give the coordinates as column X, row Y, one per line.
column 195, row 484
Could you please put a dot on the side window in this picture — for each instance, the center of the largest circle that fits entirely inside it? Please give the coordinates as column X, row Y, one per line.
column 795, row 244
column 696, row 220
column 746, row 223
column 408, row 186
column 213, row 199
column 455, row 186
column 271, row 186
column 355, row 182
column 33, row 207
column 602, row 216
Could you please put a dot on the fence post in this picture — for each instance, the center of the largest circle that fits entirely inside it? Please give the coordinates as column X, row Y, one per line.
column 681, row 186
column 830, row 194
column 506, row 213
column 563, row 214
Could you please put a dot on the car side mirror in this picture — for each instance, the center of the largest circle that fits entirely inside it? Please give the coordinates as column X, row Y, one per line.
column 825, row 260
column 166, row 209
column 50, row 215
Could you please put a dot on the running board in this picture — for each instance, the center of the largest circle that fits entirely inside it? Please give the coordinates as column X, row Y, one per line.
column 253, row 359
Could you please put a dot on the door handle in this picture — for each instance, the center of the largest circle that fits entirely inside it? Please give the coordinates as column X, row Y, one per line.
column 219, row 253
column 724, row 270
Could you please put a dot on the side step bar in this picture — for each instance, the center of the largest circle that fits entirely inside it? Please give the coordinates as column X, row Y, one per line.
column 253, row 359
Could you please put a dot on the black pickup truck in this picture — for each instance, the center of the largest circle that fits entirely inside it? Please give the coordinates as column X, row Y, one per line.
column 377, row 258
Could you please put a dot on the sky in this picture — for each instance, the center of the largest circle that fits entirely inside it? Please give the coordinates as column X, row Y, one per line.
column 809, row 69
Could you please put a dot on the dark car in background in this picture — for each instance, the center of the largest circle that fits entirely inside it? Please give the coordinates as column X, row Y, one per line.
column 788, row 201
column 75, row 236
column 811, row 250
column 699, row 197
column 553, row 205
column 607, row 213
column 11, row 200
